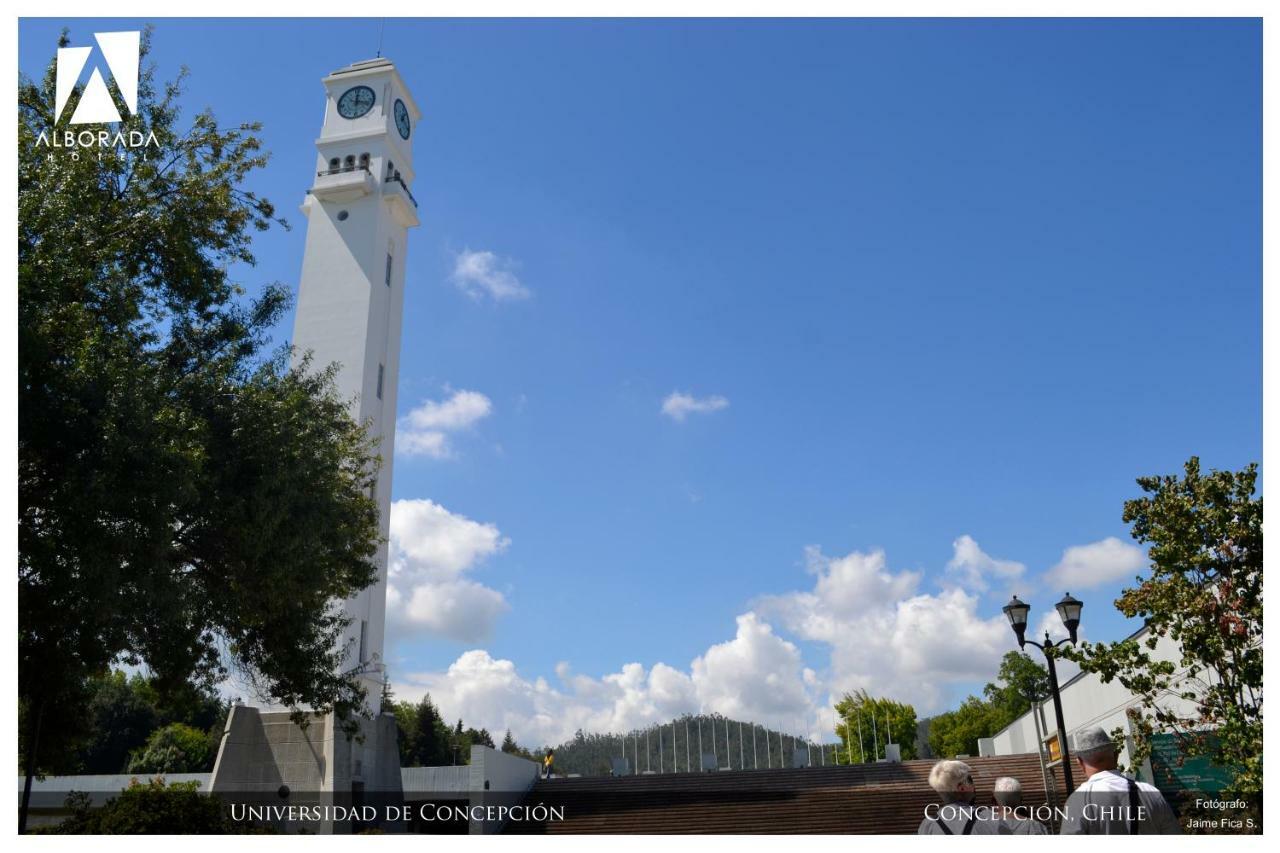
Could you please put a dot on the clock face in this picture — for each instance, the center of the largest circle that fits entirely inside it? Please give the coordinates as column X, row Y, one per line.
column 355, row 102
column 402, row 119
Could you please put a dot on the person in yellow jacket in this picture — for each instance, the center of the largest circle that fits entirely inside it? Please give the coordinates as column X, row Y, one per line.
column 546, row 764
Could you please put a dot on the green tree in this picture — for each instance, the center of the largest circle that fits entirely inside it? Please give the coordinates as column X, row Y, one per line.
column 1019, row 681
column 185, row 498
column 509, row 743
column 431, row 737
column 479, row 737
column 1205, row 593
column 957, row 732
column 121, row 717
column 406, row 716
column 175, row 748
column 867, row 724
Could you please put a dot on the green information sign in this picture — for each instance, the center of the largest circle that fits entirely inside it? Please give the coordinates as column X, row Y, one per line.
column 1174, row 771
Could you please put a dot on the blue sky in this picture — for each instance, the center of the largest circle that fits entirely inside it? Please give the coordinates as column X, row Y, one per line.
column 956, row 284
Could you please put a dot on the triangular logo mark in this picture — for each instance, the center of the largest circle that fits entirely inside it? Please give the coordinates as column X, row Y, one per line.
column 96, row 106
column 122, row 52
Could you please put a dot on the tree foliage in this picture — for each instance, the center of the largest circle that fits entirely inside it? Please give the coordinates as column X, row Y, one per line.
column 957, row 732
column 866, row 724
column 425, row 739
column 1019, row 681
column 175, row 748
column 187, row 500
column 149, row 808
column 509, row 743
column 121, row 715
column 1205, row 593
column 112, row 717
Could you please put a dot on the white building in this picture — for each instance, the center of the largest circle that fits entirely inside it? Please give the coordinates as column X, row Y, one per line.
column 1087, row 701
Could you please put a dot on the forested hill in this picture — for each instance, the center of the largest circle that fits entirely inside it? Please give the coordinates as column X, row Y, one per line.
column 674, row 747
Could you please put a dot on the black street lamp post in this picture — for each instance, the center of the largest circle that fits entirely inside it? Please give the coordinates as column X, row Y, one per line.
column 1069, row 610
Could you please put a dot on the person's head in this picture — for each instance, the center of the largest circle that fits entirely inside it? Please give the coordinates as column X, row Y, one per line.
column 1008, row 792
column 953, row 780
column 1094, row 750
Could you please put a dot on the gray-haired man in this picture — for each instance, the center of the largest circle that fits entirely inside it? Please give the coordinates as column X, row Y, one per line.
column 953, row 780
column 1109, row 803
column 1017, row 821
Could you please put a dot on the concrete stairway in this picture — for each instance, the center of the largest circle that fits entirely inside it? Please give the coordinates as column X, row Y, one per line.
column 866, row 798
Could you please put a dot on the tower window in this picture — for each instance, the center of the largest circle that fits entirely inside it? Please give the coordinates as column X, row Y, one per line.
column 350, row 163
column 364, row 639
column 388, row 269
column 333, row 163
column 380, row 373
column 364, row 160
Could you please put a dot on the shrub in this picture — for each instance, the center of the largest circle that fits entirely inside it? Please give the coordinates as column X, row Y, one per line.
column 175, row 748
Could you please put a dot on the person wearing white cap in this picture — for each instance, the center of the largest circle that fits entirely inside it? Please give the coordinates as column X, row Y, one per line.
column 953, row 780
column 1109, row 803
column 1008, row 796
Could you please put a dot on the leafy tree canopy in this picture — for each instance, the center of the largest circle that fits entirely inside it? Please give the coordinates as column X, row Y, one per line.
column 187, row 500
column 149, row 808
column 1019, row 681
column 1204, row 592
column 867, row 724
column 175, row 748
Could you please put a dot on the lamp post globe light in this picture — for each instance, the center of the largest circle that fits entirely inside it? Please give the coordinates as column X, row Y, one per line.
column 1069, row 611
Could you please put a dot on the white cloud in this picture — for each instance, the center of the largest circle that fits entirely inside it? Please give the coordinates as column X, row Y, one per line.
column 846, row 588
column 757, row 676
column 1087, row 566
column 886, row 636
column 430, row 550
column 461, row 410
column 973, row 569
column 879, row 629
column 459, row 610
column 881, row 632
column 428, row 538
column 490, row 693
column 425, row 430
column 679, row 406
column 423, row 443
column 480, row 274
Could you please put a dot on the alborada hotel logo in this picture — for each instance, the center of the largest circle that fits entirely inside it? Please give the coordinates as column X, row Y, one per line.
column 122, row 54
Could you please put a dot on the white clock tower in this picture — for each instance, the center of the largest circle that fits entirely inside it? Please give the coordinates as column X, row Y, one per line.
column 359, row 210
column 350, row 299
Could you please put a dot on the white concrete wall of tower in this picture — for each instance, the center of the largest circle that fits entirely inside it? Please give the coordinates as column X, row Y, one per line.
column 1087, row 701
column 269, row 758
